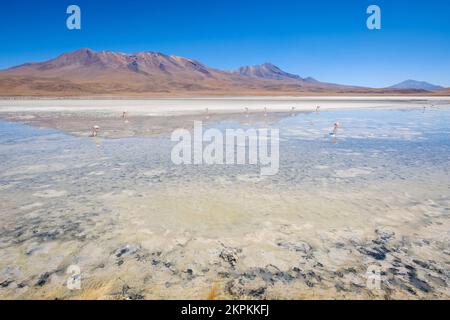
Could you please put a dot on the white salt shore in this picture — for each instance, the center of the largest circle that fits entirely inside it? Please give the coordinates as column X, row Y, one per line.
column 180, row 106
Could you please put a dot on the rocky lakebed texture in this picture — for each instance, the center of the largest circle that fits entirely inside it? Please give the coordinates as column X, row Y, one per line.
column 363, row 217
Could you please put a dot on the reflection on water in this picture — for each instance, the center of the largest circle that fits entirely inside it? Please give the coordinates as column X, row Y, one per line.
column 376, row 193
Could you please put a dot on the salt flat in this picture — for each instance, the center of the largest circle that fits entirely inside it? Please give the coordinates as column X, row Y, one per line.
column 180, row 106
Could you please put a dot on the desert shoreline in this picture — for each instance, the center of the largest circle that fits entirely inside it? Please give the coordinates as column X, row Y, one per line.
column 231, row 104
column 162, row 116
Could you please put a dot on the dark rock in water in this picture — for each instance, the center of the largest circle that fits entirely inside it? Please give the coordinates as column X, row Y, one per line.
column 131, row 294
column 407, row 266
column 297, row 269
column 377, row 252
column 351, row 270
column 270, row 274
column 422, row 264
column 384, row 235
column 233, row 289
column 377, row 248
column 229, row 255
column 418, row 283
column 318, row 265
column 339, row 274
column 6, row 283
column 393, row 271
column 155, row 262
column 136, row 296
column 43, row 278
column 311, row 274
column 266, row 275
column 171, row 267
column 189, row 272
column 410, row 290
column 249, row 275
column 284, row 276
column 377, row 255
column 258, row 293
column 126, row 250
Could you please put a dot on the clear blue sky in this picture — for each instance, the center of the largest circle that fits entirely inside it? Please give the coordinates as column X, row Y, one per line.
column 324, row 39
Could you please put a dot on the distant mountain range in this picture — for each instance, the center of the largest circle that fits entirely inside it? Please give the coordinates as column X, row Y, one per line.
column 413, row 84
column 85, row 72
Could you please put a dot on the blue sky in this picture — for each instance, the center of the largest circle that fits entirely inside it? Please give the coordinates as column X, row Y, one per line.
column 325, row 39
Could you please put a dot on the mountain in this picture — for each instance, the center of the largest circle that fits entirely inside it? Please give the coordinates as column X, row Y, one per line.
column 444, row 92
column 413, row 84
column 85, row 72
column 87, row 64
column 266, row 71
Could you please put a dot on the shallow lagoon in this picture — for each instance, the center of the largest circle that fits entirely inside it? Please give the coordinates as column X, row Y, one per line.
column 375, row 196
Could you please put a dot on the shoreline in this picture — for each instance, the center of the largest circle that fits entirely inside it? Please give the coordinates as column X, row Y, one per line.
column 189, row 106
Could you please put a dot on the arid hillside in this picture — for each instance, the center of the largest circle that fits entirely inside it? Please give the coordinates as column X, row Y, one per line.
column 85, row 72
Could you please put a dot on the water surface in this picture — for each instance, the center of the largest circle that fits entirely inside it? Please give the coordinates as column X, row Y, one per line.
column 376, row 195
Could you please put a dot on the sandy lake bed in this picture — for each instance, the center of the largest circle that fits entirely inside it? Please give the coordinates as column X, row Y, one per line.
column 363, row 214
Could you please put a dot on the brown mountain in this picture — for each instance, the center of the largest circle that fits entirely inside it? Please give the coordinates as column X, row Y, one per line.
column 444, row 91
column 85, row 72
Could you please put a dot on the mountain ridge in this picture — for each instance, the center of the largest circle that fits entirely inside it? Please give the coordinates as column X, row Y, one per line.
column 108, row 73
